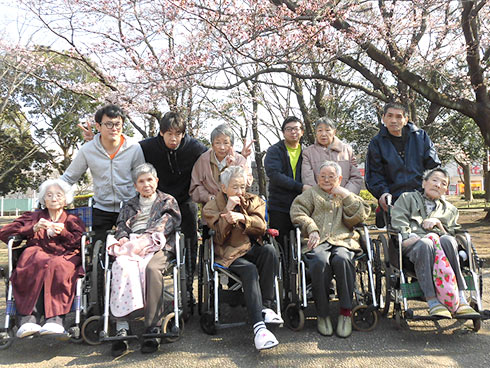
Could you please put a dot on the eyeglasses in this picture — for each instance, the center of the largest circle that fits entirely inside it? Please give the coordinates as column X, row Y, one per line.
column 54, row 195
column 110, row 125
column 292, row 129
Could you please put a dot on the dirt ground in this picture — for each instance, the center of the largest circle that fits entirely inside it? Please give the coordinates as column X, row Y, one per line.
column 479, row 230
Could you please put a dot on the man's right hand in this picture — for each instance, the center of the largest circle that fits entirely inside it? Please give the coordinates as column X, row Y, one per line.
column 87, row 132
column 382, row 201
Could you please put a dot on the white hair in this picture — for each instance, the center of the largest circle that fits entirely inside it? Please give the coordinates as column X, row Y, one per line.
column 63, row 185
column 336, row 166
column 231, row 172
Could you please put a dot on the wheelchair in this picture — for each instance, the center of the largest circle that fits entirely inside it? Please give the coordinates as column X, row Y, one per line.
column 218, row 285
column 81, row 303
column 398, row 282
column 366, row 291
column 174, row 299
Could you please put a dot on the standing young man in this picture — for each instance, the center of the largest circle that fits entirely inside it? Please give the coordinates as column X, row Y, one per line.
column 283, row 167
column 111, row 158
column 173, row 154
column 397, row 157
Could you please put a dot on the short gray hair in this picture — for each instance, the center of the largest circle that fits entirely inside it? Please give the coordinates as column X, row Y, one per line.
column 429, row 173
column 336, row 166
column 231, row 172
column 223, row 129
column 63, row 185
column 145, row 168
column 325, row 121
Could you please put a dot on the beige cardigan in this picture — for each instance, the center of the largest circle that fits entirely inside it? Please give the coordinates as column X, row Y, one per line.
column 333, row 217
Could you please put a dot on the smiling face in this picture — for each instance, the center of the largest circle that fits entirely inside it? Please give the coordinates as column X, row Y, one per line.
column 435, row 186
column 325, row 134
column 146, row 184
column 395, row 120
column 328, row 179
column 293, row 132
column 54, row 198
column 221, row 146
column 110, row 128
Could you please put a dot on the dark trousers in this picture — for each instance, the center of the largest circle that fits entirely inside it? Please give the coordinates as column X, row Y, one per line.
column 281, row 221
column 38, row 313
column 102, row 221
column 324, row 262
column 257, row 269
column 154, row 288
column 188, row 211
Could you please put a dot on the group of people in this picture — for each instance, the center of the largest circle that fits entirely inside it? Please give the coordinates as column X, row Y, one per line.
column 160, row 182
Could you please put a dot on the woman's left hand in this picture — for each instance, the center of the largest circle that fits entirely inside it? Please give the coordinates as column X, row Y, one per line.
column 430, row 223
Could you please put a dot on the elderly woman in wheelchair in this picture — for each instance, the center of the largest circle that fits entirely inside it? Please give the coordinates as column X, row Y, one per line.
column 327, row 214
column 46, row 274
column 426, row 220
column 143, row 245
column 238, row 219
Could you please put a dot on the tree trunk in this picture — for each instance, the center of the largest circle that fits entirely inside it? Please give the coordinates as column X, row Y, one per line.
column 255, row 134
column 468, row 195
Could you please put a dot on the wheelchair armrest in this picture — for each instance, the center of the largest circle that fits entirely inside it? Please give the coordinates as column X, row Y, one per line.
column 16, row 238
column 460, row 231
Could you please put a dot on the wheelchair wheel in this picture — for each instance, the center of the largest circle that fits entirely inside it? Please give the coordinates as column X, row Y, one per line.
column 6, row 339
column 168, row 326
column 364, row 318
column 200, row 278
column 295, row 317
column 383, row 279
column 75, row 334
column 207, row 323
column 476, row 321
column 91, row 330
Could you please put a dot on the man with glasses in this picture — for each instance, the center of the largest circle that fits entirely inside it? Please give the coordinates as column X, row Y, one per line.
column 111, row 158
column 283, row 167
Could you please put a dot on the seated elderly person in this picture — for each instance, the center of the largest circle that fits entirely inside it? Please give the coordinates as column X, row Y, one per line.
column 327, row 214
column 328, row 147
column 45, row 278
column 205, row 179
column 238, row 218
column 144, row 244
column 416, row 215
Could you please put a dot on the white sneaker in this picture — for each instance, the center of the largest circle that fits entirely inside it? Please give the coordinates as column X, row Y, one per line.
column 51, row 328
column 264, row 339
column 271, row 317
column 28, row 329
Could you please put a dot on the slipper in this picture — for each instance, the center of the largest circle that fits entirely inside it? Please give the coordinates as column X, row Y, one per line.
column 271, row 317
column 465, row 311
column 27, row 329
column 119, row 347
column 151, row 344
column 51, row 328
column 440, row 311
column 264, row 339
column 324, row 326
column 344, row 326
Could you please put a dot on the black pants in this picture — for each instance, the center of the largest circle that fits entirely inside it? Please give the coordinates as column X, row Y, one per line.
column 281, row 221
column 188, row 211
column 38, row 313
column 324, row 262
column 102, row 222
column 257, row 270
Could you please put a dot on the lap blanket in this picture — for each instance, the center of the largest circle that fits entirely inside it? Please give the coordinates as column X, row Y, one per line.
column 444, row 278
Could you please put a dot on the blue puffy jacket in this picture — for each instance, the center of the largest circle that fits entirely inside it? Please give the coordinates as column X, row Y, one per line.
column 282, row 187
column 387, row 172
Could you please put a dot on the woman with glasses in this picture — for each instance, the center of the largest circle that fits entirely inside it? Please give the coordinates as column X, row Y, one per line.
column 328, row 147
column 45, row 277
column 327, row 214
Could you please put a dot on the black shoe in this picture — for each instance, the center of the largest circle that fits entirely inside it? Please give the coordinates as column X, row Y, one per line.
column 119, row 347
column 151, row 344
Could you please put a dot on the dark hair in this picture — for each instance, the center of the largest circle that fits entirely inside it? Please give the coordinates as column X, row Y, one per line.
column 111, row 111
column 172, row 120
column 395, row 105
column 429, row 173
column 290, row 119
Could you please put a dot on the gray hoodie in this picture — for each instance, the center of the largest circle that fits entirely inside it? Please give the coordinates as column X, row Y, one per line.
column 112, row 180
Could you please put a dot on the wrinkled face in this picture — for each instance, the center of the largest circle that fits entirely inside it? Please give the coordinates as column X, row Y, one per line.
column 395, row 120
column 435, row 186
column 328, row 179
column 325, row 134
column 293, row 132
column 110, row 128
column 172, row 138
column 54, row 198
column 146, row 184
column 221, row 146
column 236, row 186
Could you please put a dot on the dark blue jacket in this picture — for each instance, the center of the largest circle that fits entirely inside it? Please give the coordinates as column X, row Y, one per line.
column 387, row 172
column 173, row 167
column 282, row 187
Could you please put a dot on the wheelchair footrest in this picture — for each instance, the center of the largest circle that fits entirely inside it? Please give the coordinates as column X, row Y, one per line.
column 220, row 326
column 120, row 338
column 160, row 335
